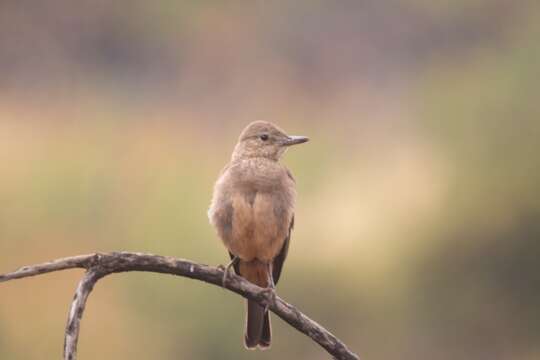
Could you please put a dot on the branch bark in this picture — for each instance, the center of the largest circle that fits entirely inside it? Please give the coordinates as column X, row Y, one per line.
column 100, row 265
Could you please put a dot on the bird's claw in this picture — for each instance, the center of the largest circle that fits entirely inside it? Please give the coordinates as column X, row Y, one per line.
column 225, row 275
column 225, row 269
column 269, row 297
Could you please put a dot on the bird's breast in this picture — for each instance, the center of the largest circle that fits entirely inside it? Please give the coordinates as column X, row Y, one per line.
column 260, row 224
column 252, row 208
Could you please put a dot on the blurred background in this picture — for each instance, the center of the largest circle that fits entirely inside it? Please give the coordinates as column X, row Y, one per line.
column 417, row 227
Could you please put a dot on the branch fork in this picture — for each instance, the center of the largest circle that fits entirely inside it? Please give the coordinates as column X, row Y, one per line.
column 99, row 265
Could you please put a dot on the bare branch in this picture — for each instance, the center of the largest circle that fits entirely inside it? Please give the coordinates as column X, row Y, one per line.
column 76, row 312
column 100, row 265
column 81, row 261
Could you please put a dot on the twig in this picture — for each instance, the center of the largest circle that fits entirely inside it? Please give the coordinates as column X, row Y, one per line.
column 100, row 265
column 76, row 312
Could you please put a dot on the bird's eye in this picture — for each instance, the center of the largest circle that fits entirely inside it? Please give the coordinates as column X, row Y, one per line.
column 264, row 137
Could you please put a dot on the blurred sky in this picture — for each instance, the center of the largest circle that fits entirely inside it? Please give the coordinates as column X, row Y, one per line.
column 417, row 224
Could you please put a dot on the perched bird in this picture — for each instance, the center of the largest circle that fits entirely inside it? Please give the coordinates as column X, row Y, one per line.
column 252, row 210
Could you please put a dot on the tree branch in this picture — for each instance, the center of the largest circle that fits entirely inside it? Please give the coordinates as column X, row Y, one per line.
column 76, row 312
column 100, row 265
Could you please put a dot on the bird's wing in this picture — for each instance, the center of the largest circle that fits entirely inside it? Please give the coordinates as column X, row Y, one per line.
column 280, row 258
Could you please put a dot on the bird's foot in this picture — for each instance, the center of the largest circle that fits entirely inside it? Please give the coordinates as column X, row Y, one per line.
column 226, row 270
column 269, row 297
column 225, row 275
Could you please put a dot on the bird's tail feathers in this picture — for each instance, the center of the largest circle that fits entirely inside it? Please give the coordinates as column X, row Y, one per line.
column 258, row 332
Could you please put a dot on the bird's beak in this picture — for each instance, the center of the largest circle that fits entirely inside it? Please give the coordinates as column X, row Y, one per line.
column 293, row 140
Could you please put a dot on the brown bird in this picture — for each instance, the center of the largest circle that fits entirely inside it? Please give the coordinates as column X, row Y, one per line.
column 252, row 210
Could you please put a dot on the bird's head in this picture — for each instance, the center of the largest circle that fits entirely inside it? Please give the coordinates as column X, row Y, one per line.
column 265, row 140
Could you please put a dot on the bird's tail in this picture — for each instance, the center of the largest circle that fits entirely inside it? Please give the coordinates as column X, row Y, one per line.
column 258, row 331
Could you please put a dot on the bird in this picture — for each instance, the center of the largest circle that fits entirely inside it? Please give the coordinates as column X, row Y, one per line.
column 252, row 210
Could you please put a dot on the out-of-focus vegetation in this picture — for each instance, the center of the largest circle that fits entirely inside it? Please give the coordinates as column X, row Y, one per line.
column 418, row 232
